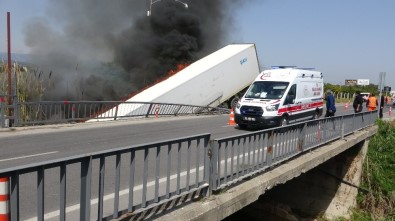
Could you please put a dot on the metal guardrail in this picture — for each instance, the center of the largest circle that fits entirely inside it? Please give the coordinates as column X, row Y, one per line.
column 144, row 165
column 6, row 111
column 52, row 112
column 237, row 157
column 158, row 173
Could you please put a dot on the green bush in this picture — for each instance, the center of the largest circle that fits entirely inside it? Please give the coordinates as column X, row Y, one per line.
column 379, row 174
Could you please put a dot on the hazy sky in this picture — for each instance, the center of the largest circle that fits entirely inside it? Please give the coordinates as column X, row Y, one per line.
column 353, row 39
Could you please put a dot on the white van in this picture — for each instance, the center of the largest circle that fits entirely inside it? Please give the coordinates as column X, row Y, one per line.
column 281, row 96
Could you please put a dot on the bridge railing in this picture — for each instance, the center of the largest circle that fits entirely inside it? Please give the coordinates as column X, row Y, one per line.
column 51, row 112
column 6, row 111
column 148, row 176
column 155, row 172
column 237, row 157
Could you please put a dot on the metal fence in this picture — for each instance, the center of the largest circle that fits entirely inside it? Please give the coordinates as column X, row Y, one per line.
column 237, row 157
column 140, row 178
column 51, row 112
column 6, row 114
column 155, row 173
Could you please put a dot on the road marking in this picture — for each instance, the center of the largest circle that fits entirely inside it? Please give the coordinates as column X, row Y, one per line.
column 110, row 196
column 27, row 156
column 72, row 208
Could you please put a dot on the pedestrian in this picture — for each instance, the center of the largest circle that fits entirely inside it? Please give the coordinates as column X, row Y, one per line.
column 382, row 103
column 330, row 104
column 372, row 102
column 358, row 102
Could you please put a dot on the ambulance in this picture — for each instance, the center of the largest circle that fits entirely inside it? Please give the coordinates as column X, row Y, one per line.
column 281, row 96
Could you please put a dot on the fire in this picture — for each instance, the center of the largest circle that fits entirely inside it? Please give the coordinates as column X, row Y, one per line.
column 178, row 68
column 170, row 73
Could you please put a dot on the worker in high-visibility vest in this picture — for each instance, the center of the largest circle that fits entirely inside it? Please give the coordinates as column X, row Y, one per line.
column 372, row 103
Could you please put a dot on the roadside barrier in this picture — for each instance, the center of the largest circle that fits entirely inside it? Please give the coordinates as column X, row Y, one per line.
column 319, row 132
column 157, row 110
column 231, row 118
column 4, row 199
column 346, row 106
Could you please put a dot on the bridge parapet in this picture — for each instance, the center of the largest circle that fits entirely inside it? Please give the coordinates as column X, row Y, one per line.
column 158, row 174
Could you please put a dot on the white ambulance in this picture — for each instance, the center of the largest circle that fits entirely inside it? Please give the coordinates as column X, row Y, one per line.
column 280, row 96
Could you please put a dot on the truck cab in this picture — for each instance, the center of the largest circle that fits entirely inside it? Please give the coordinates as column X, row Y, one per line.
column 281, row 96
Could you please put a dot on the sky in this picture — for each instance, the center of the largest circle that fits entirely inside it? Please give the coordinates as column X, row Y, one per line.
column 353, row 39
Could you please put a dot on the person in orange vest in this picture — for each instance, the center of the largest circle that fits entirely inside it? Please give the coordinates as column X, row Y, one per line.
column 372, row 103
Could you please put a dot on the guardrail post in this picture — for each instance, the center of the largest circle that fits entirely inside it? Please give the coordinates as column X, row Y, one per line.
column 301, row 137
column 17, row 113
column 212, row 155
column 149, row 110
column 207, row 157
column 14, row 206
column 269, row 148
column 116, row 112
column 342, row 128
column 86, row 176
column 2, row 112
column 73, row 111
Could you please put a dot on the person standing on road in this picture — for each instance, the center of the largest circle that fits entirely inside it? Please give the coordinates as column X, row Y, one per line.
column 330, row 104
column 372, row 102
column 382, row 103
column 358, row 101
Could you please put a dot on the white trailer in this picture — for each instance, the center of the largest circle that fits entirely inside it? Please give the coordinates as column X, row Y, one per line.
column 212, row 80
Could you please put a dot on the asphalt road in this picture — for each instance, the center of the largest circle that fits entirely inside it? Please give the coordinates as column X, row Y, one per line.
column 32, row 144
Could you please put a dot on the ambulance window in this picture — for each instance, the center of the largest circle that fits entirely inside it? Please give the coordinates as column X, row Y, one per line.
column 290, row 99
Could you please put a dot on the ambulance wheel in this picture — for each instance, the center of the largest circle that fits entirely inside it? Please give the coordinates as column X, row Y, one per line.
column 315, row 115
column 284, row 121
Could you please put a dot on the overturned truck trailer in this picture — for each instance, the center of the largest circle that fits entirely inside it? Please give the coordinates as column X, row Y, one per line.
column 218, row 78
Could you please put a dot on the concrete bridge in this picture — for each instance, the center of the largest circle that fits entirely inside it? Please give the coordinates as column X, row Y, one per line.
column 331, row 191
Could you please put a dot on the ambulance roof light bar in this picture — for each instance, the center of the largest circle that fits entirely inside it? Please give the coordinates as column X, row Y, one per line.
column 282, row 67
column 309, row 69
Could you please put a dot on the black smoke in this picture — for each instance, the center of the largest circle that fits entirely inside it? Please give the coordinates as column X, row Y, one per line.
column 105, row 50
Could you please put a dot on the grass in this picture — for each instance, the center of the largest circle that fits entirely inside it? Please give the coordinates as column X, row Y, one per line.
column 379, row 176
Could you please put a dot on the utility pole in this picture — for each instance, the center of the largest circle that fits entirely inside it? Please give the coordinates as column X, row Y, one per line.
column 382, row 80
column 9, row 63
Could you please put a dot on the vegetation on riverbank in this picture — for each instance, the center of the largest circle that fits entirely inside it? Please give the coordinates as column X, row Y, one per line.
column 379, row 175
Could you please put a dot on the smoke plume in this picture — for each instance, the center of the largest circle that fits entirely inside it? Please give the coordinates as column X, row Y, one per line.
column 105, row 50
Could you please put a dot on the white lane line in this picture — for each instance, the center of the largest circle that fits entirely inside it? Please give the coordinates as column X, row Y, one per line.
column 72, row 208
column 27, row 156
column 110, row 196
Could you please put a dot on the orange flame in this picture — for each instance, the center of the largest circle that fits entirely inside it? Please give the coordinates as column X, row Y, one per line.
column 168, row 74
